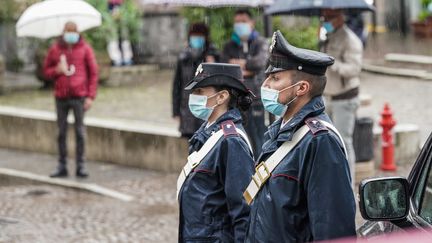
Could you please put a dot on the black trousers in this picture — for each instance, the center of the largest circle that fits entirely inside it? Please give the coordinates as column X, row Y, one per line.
column 63, row 106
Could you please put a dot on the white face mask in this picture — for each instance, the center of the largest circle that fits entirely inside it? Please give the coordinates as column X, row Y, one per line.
column 198, row 106
column 270, row 97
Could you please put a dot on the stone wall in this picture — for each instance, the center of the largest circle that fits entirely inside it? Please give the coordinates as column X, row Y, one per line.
column 163, row 36
column 2, row 76
column 134, row 144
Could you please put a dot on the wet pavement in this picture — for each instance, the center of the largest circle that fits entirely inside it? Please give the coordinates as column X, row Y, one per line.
column 380, row 44
column 41, row 213
column 32, row 212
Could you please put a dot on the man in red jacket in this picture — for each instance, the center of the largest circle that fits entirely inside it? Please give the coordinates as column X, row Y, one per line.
column 72, row 66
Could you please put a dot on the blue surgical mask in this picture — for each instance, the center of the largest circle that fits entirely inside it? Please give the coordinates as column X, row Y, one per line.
column 71, row 37
column 242, row 29
column 198, row 106
column 197, row 42
column 328, row 26
column 269, row 98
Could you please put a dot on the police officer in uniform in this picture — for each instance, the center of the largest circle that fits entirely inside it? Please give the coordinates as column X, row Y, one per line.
column 220, row 164
column 301, row 190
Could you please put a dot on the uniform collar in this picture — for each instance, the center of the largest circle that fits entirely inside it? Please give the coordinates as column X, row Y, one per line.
column 313, row 108
column 204, row 133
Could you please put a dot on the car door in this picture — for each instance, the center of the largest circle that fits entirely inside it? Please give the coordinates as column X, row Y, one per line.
column 421, row 188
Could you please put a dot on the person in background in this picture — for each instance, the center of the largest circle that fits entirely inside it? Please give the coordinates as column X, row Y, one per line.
column 198, row 50
column 356, row 23
column 249, row 50
column 343, row 86
column 72, row 65
column 119, row 46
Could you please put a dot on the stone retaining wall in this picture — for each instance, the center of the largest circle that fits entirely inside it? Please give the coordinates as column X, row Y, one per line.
column 135, row 144
column 139, row 144
column 2, row 78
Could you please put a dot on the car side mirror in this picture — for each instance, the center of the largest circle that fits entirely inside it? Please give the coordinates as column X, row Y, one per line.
column 384, row 199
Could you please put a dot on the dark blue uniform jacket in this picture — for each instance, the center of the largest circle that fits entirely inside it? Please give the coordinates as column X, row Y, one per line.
column 308, row 196
column 212, row 208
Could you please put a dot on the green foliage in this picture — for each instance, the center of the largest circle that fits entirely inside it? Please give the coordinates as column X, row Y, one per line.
column 425, row 12
column 219, row 20
column 130, row 19
column 8, row 10
column 300, row 36
column 14, row 64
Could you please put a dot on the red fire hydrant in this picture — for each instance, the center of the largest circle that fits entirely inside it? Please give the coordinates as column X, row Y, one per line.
column 387, row 123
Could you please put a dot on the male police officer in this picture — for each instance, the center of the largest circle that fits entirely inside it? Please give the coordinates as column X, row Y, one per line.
column 301, row 190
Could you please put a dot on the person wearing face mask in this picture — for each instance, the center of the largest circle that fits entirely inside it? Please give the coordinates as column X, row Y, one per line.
column 71, row 63
column 220, row 163
column 301, row 190
column 343, row 87
column 249, row 50
column 199, row 50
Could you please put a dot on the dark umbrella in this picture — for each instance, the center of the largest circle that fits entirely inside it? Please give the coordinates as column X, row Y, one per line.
column 313, row 7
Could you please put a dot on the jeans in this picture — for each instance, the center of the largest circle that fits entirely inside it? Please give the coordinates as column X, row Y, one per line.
column 343, row 115
column 63, row 106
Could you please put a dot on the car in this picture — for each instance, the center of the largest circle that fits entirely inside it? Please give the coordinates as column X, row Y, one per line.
column 393, row 204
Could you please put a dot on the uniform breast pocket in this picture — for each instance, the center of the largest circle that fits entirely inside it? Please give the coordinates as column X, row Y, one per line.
column 284, row 184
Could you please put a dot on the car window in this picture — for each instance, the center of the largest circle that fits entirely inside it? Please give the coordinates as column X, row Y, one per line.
column 420, row 186
column 425, row 209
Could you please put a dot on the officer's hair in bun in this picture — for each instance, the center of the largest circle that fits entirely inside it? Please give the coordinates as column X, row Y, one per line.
column 238, row 100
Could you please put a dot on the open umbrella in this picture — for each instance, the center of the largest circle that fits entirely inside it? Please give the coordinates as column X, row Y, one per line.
column 47, row 19
column 313, row 7
column 209, row 3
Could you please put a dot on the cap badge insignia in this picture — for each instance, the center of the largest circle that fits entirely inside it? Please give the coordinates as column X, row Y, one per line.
column 273, row 44
column 199, row 70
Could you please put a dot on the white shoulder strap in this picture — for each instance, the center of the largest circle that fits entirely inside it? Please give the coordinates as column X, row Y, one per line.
column 331, row 127
column 264, row 169
column 195, row 158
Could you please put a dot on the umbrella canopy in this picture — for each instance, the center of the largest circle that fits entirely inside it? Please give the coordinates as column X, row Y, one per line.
column 209, row 3
column 313, row 7
column 47, row 19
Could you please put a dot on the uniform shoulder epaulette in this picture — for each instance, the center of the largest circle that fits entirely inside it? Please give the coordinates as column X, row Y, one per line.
column 229, row 128
column 315, row 125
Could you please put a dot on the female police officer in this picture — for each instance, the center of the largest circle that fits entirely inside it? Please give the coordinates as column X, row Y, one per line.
column 220, row 165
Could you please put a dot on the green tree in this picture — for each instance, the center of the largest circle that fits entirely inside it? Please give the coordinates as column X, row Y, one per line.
column 303, row 36
column 8, row 10
column 425, row 11
column 130, row 18
column 220, row 21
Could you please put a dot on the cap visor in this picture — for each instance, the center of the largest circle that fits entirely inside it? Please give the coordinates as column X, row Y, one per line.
column 272, row 69
column 191, row 85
